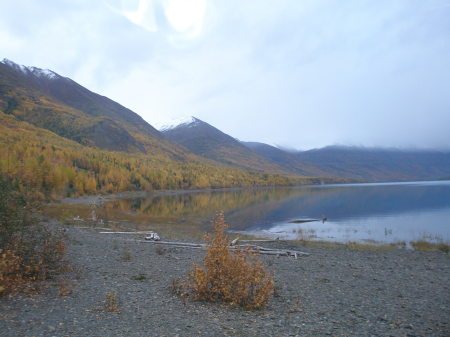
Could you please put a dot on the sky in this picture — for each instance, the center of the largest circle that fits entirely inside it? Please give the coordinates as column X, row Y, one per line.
column 299, row 74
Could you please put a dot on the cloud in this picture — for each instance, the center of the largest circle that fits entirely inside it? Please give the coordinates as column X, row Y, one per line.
column 296, row 73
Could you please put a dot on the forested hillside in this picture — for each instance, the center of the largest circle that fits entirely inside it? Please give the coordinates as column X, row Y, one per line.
column 49, row 165
column 50, row 101
column 59, row 139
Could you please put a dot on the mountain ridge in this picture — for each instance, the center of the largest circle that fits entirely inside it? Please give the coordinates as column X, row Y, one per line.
column 65, row 107
column 207, row 141
column 194, row 154
column 58, row 139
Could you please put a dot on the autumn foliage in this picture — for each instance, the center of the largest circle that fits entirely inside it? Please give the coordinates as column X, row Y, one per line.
column 236, row 277
column 39, row 161
column 29, row 251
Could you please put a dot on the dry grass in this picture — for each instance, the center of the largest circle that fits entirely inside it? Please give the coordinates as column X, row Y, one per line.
column 111, row 303
column 65, row 288
column 126, row 256
column 369, row 246
column 160, row 250
column 425, row 246
column 237, row 277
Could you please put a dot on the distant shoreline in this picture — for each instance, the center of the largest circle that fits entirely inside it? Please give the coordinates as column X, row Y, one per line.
column 140, row 194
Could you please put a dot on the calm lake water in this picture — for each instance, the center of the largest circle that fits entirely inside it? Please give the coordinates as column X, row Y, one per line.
column 385, row 212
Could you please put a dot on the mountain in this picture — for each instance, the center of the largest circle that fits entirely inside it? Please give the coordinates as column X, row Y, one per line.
column 377, row 164
column 286, row 159
column 48, row 100
column 362, row 164
column 59, row 139
column 209, row 142
column 349, row 164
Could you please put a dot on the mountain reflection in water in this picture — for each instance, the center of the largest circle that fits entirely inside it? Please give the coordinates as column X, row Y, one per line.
column 383, row 212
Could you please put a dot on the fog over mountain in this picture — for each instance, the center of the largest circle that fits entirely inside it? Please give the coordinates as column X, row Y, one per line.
column 301, row 74
column 51, row 102
column 344, row 162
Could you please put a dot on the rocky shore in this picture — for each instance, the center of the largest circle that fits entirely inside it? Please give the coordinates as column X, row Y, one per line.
column 121, row 287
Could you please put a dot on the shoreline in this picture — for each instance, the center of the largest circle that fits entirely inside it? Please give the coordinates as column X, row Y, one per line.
column 139, row 194
column 334, row 291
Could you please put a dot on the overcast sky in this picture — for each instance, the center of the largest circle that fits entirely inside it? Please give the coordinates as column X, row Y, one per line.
column 300, row 73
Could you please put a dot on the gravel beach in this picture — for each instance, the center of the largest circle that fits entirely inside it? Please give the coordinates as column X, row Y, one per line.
column 335, row 291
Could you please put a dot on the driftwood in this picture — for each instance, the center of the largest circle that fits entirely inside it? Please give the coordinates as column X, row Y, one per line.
column 92, row 227
column 323, row 219
column 251, row 248
column 233, row 245
column 276, row 240
column 140, row 232
column 304, row 220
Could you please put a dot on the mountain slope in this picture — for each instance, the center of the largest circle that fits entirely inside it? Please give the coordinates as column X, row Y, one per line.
column 57, row 103
column 287, row 160
column 59, row 139
column 363, row 164
column 374, row 164
column 47, row 165
column 207, row 141
column 70, row 93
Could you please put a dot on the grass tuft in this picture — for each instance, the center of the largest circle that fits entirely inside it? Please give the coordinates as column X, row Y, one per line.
column 425, row 246
column 111, row 303
column 140, row 277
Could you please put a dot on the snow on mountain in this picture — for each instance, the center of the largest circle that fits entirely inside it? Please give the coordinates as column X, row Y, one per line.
column 37, row 72
column 14, row 65
column 43, row 73
column 185, row 121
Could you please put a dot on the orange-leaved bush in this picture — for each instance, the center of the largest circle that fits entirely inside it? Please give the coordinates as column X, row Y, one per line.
column 234, row 276
column 29, row 251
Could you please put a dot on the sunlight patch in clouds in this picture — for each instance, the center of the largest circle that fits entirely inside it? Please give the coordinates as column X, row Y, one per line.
column 139, row 12
column 186, row 16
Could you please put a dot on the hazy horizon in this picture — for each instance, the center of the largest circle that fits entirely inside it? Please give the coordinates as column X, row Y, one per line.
column 298, row 74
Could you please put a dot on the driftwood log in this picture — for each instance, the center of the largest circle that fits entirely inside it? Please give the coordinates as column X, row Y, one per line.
column 251, row 248
column 139, row 232
column 233, row 245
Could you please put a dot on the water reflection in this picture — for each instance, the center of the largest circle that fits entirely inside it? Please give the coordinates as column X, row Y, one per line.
column 382, row 212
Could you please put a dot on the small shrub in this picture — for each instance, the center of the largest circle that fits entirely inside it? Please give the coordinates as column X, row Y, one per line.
column 12, row 275
column 237, row 277
column 29, row 251
column 110, row 304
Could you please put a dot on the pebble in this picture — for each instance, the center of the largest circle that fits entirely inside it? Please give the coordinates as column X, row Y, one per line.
column 333, row 301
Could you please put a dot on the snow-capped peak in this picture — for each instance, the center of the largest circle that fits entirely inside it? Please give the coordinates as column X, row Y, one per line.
column 43, row 73
column 185, row 121
column 37, row 72
column 14, row 65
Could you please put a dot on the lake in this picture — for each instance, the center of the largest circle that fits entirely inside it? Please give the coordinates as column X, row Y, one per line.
column 382, row 212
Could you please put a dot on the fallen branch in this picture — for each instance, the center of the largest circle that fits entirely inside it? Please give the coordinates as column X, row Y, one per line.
column 275, row 240
column 141, row 232
column 253, row 249
column 233, row 246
